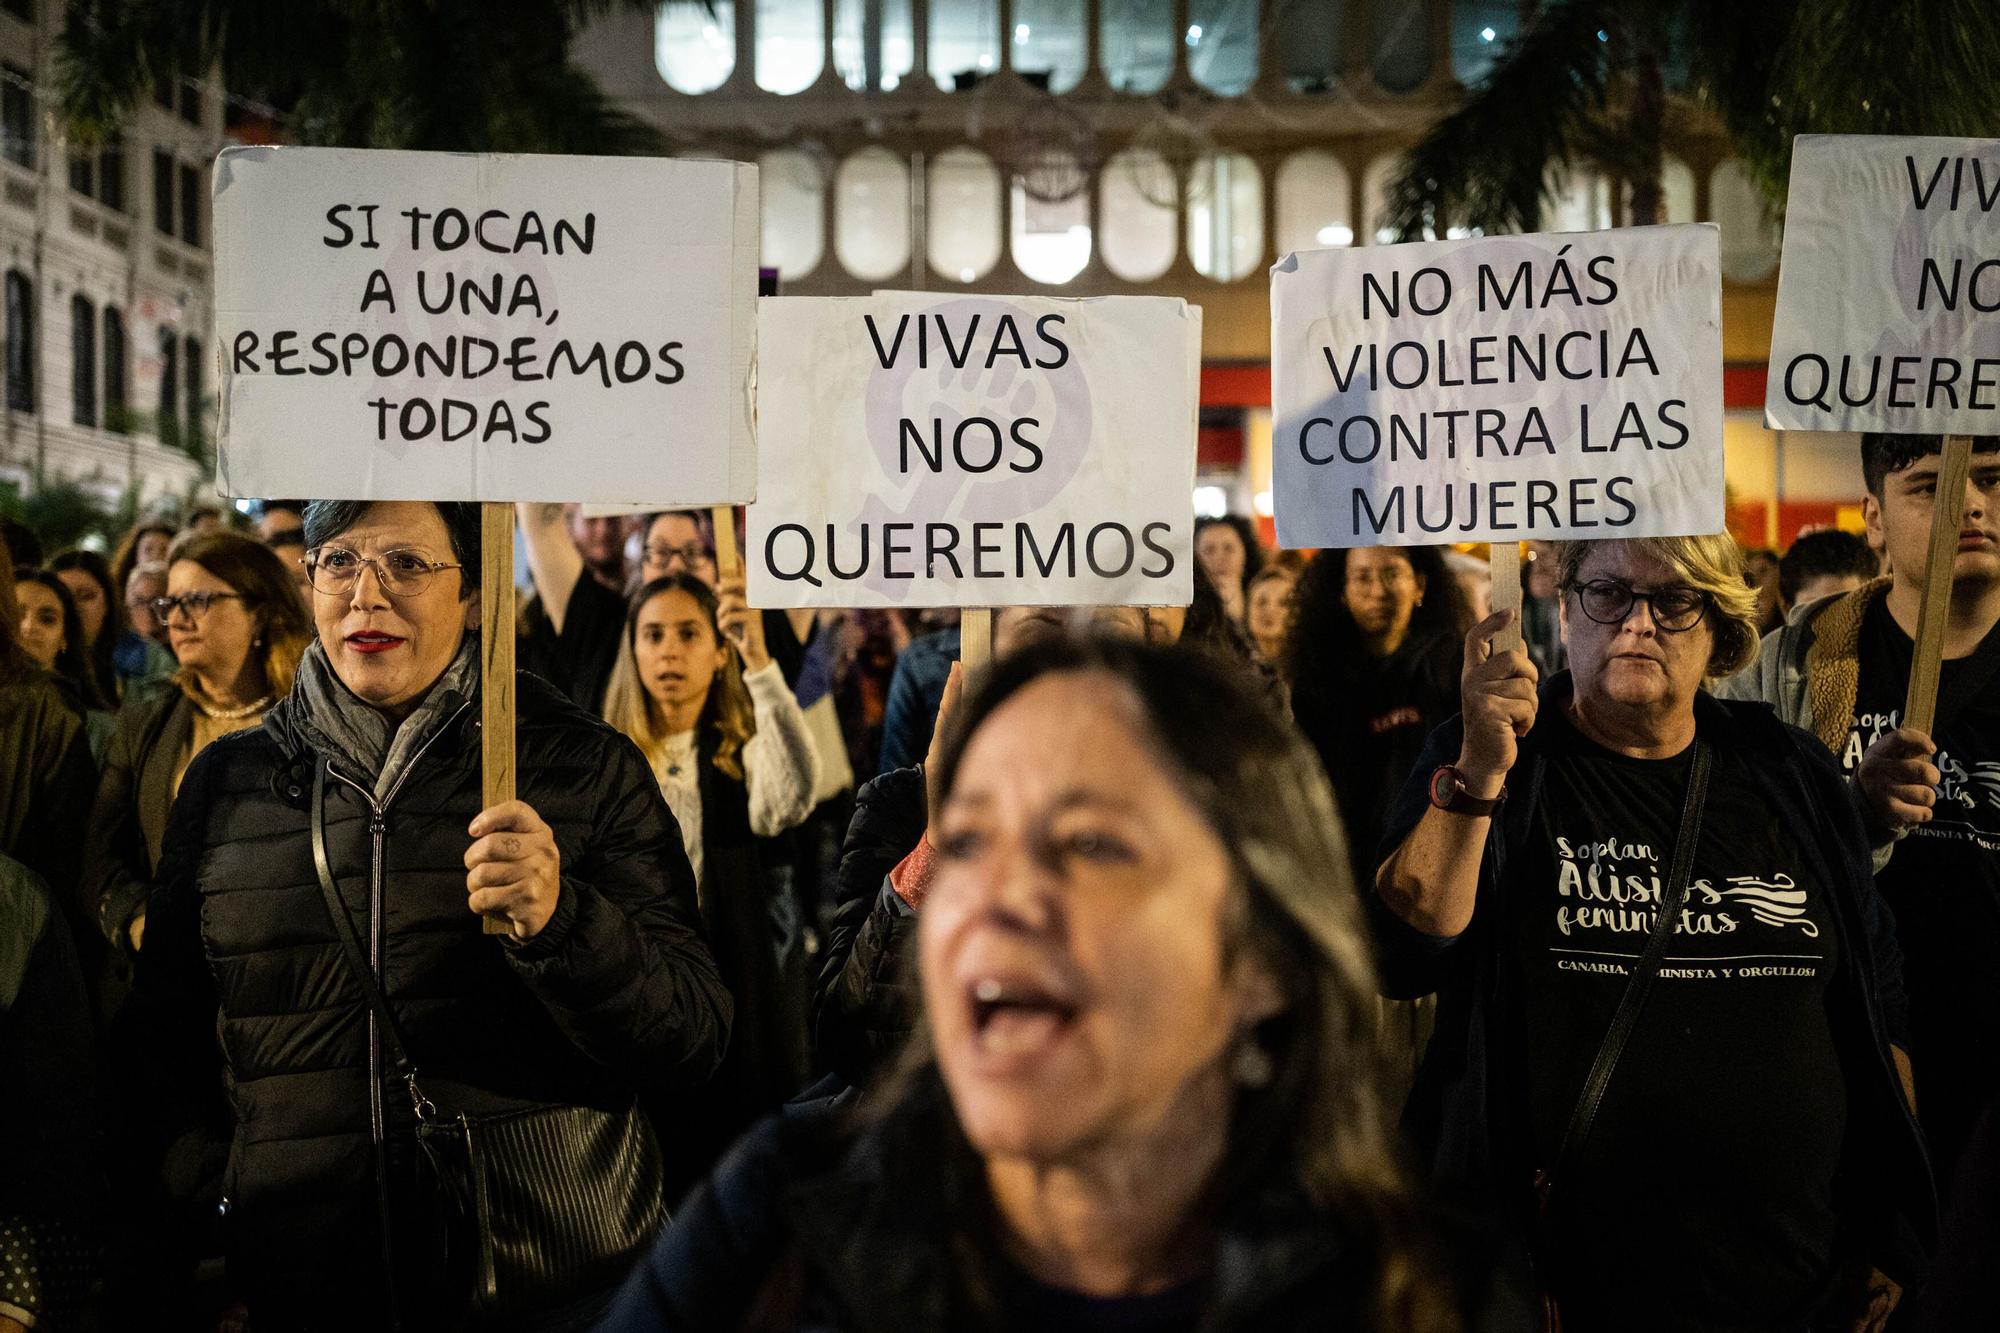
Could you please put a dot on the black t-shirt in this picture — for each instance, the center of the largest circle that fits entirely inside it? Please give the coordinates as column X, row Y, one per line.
column 1704, row 1196
column 1943, row 882
column 579, row 660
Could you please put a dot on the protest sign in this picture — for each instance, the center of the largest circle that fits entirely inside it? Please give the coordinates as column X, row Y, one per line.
column 974, row 451
column 1889, row 298
column 444, row 326
column 1498, row 388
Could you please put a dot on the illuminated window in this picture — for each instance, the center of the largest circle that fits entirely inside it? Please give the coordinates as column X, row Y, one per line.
column 963, row 208
column 1136, row 39
column 695, row 50
column 1222, row 44
column 794, row 190
column 881, row 55
column 871, row 234
column 1138, row 213
column 965, row 42
column 1313, row 208
column 791, row 44
column 1225, row 216
column 1050, row 238
column 1048, row 40
column 1480, row 31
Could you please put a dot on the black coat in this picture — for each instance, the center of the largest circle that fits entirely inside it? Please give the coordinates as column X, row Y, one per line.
column 128, row 821
column 865, row 1003
column 812, row 1227
column 616, row 993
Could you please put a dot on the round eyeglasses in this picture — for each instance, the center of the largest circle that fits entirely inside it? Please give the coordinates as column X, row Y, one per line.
column 333, row 570
column 1609, row 601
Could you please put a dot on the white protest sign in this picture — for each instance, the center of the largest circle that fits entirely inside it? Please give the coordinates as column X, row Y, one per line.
column 1498, row 389
column 456, row 326
column 933, row 450
column 1888, row 295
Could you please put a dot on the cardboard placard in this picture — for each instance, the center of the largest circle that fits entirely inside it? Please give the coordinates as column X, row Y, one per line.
column 458, row 326
column 1499, row 388
column 937, row 450
column 1888, row 295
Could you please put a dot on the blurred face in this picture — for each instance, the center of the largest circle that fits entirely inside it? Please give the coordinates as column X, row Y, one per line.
column 41, row 622
column 1538, row 571
column 1072, row 946
column 1634, row 665
column 601, row 541
column 274, row 521
column 1763, row 572
column 153, row 548
column 1270, row 609
column 88, row 594
column 140, row 590
column 1015, row 627
column 1477, row 585
column 214, row 643
column 1381, row 592
column 1219, row 549
column 674, row 546
column 676, row 650
column 1826, row 585
column 390, row 649
column 1900, row 522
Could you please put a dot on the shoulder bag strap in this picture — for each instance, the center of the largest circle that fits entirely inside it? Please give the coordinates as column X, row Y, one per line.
column 1644, row 971
column 357, row 960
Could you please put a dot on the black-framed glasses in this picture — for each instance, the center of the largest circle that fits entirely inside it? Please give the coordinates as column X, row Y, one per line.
column 196, row 604
column 333, row 570
column 1674, row 608
column 691, row 555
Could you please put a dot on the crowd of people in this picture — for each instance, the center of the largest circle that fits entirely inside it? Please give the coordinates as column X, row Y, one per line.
column 1301, row 958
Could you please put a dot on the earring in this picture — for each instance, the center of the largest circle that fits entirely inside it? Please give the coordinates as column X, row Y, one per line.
column 1251, row 1065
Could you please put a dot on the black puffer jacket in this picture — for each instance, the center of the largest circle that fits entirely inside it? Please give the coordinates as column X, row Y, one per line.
column 616, row 993
column 865, row 1003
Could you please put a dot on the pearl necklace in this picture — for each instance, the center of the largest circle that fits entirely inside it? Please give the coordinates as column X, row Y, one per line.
column 232, row 714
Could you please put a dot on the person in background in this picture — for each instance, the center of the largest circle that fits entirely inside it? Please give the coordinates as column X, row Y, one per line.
column 1752, row 1161
column 1826, row 563
column 45, row 768
column 1144, row 1097
column 289, row 545
column 204, row 519
column 146, row 584
column 240, row 629
column 1227, row 552
column 144, row 543
column 52, row 632
column 1760, row 567
column 1541, row 620
column 119, row 655
column 600, row 984
column 1841, row 670
column 280, row 518
column 1270, row 616
column 696, row 691
column 916, row 687
column 52, row 1176
column 1475, row 580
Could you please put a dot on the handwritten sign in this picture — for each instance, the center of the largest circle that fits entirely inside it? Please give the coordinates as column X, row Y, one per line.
column 1498, row 388
column 452, row 326
column 1889, row 298
column 925, row 450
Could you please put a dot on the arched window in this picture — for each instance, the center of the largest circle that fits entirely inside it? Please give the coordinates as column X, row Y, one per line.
column 1222, row 44
column 1225, row 216
column 1313, row 208
column 1137, row 40
column 963, row 208
column 879, row 53
column 694, row 49
column 965, row 45
column 791, row 44
column 1048, row 40
column 1399, row 36
column 83, row 360
column 114, row 370
column 1749, row 240
column 20, row 341
column 871, row 215
column 1051, row 237
column 1138, row 215
column 794, row 218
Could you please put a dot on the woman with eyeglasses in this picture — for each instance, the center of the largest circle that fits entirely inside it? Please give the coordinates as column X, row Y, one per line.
column 435, row 1124
column 1670, row 1026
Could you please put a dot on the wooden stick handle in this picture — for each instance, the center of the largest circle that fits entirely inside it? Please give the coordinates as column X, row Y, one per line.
column 1934, row 612
column 1506, row 566
column 496, row 663
column 728, row 560
column 975, row 636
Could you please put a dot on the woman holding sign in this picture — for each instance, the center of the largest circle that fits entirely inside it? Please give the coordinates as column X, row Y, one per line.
column 1143, row 1096
column 698, row 693
column 1670, row 1006
column 431, row 1121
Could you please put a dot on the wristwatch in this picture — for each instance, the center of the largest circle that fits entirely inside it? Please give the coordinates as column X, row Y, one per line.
column 1448, row 793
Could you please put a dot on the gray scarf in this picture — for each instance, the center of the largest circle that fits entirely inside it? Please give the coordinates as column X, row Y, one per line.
column 358, row 736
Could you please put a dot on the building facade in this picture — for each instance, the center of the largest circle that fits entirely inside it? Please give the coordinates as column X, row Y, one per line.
column 107, row 335
column 1161, row 147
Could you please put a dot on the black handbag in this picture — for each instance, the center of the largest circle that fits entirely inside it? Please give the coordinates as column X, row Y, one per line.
column 541, row 1206
column 1637, row 985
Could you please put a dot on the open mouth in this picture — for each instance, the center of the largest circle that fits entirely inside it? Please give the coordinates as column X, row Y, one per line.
column 1014, row 1017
